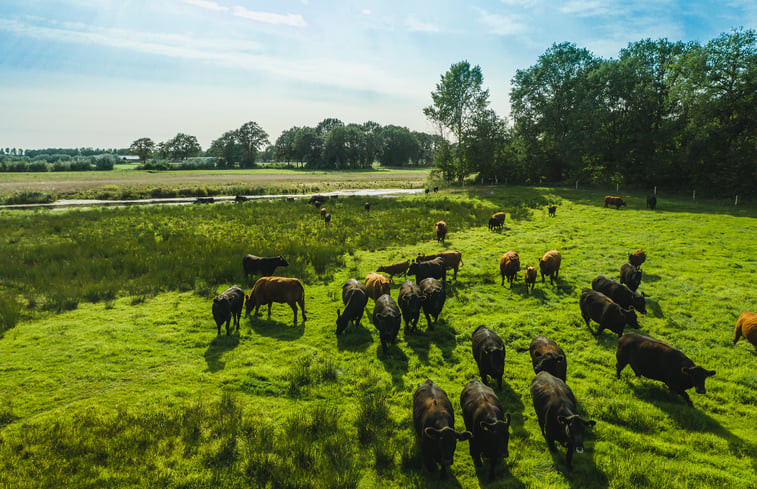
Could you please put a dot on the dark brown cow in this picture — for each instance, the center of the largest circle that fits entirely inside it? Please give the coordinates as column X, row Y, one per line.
column 555, row 407
column 746, row 326
column 630, row 276
column 637, row 258
column 619, row 293
column 655, row 360
column 441, row 230
column 434, row 423
column 435, row 268
column 651, row 202
column 489, row 353
column 399, row 268
column 268, row 290
column 613, row 200
column 485, row 418
column 377, row 285
column 410, row 300
column 547, row 356
column 327, row 218
column 227, row 307
column 265, row 266
column 453, row 260
column 354, row 297
column 549, row 265
column 434, row 301
column 597, row 306
column 529, row 277
column 509, row 266
column 495, row 224
column 552, row 210
column 387, row 319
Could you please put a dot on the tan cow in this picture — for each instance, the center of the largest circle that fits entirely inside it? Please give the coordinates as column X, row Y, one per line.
column 637, row 258
column 441, row 230
column 529, row 277
column 268, row 290
column 377, row 285
column 549, row 265
column 746, row 326
column 509, row 265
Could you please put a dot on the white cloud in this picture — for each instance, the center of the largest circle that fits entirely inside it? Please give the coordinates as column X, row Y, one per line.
column 207, row 5
column 294, row 20
column 416, row 25
column 587, row 8
column 366, row 11
column 500, row 24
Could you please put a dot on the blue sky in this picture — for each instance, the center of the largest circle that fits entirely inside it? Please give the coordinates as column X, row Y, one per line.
column 103, row 73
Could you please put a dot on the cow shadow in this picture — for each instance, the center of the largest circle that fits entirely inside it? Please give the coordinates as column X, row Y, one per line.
column 443, row 336
column 220, row 345
column 418, row 341
column 503, row 477
column 654, row 309
column 354, row 338
column 512, row 403
column 276, row 329
column 585, row 472
column 649, row 277
column 395, row 363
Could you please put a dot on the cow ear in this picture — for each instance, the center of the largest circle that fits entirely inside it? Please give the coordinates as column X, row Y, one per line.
column 432, row 433
column 643, row 294
column 465, row 435
column 338, row 314
column 507, row 419
column 686, row 370
column 591, row 422
column 484, row 426
column 710, row 373
column 562, row 420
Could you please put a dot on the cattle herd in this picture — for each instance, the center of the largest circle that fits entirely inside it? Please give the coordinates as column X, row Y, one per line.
column 611, row 304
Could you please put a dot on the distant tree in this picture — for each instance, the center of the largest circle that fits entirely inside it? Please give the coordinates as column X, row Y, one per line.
column 250, row 138
column 373, row 141
column 326, row 125
column 308, row 147
column 400, row 146
column 143, row 148
column 226, row 150
column 182, row 146
column 344, row 147
column 266, row 155
column 284, row 148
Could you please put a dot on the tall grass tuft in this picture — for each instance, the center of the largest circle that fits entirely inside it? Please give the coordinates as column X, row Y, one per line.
column 10, row 312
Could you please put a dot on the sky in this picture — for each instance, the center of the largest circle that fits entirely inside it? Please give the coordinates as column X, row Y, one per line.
column 103, row 73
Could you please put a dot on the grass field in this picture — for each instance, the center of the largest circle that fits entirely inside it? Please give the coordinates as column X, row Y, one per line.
column 112, row 374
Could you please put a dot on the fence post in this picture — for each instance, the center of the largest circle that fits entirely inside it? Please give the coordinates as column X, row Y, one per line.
column 737, row 200
column 694, row 195
column 655, row 190
column 576, row 184
column 617, row 188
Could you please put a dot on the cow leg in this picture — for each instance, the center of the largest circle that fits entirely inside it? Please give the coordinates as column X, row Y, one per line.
column 455, row 277
column 542, row 277
column 475, row 453
column 569, row 456
column 428, row 321
column 492, row 470
column 622, row 362
column 685, row 396
column 269, row 309
column 503, row 280
column 294, row 309
column 301, row 302
column 499, row 382
column 227, row 326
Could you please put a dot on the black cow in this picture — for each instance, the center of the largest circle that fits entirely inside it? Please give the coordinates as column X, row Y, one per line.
column 630, row 276
column 619, row 293
column 655, row 360
column 354, row 297
column 435, row 268
column 228, row 306
column 327, row 218
column 495, row 223
column 387, row 319
column 410, row 300
column 547, row 356
column 435, row 297
column 205, row 200
column 427, row 191
column 552, row 210
column 240, row 198
column 317, row 200
column 555, row 407
column 436, row 189
column 597, row 306
column 485, row 418
column 434, row 422
column 489, row 353
column 254, row 265
column 367, row 206
column 651, row 201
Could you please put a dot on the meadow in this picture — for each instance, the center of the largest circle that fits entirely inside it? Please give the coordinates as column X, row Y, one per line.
column 112, row 374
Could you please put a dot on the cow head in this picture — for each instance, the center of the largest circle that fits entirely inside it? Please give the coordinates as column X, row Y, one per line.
column 500, row 434
column 412, row 269
column 341, row 322
column 221, row 310
column 697, row 376
column 494, row 358
column 283, row 262
column 574, row 427
column 249, row 304
column 630, row 316
column 445, row 441
column 551, row 362
column 640, row 303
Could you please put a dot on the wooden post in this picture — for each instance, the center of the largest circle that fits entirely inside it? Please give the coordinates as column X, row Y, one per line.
column 737, row 200
column 655, row 190
column 576, row 184
column 694, row 195
column 617, row 188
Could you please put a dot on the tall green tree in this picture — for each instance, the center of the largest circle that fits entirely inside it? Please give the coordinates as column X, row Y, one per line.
column 400, row 146
column 181, row 147
column 226, row 150
column 309, row 147
column 284, row 148
column 143, row 148
column 251, row 137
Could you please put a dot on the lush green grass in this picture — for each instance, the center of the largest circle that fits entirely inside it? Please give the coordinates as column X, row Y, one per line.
column 137, row 390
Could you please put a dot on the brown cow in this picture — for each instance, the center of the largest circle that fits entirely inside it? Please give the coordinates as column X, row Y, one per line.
column 323, row 211
column 268, row 290
column 552, row 210
column 377, row 285
column 453, row 260
column 746, row 326
column 509, row 265
column 441, row 230
column 529, row 277
column 549, row 265
column 613, row 200
column 399, row 268
column 637, row 258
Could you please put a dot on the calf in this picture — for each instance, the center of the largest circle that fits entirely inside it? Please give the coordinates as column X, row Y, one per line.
column 434, row 301
column 354, row 297
column 597, row 306
column 630, row 276
column 410, row 300
column 548, row 357
column 399, row 268
column 637, row 258
column 489, row 353
column 555, row 407
column 487, row 421
column 619, row 293
column 228, row 306
column 549, row 265
column 377, row 285
column 436, row 189
column 387, row 319
column 268, row 290
column 264, row 266
column 441, row 230
column 529, row 277
column 367, row 206
column 323, row 212
column 613, row 200
column 651, row 202
column 655, row 360
column 453, row 260
column 435, row 268
column 509, row 266
column 746, row 326
column 434, row 423
column 552, row 210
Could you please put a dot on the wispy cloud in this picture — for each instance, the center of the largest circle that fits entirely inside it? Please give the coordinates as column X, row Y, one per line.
column 207, row 5
column 499, row 24
column 294, row 20
column 588, row 8
column 366, row 11
column 416, row 25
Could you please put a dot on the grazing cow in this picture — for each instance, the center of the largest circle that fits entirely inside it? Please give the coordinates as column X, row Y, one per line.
column 637, row 258
column 487, row 421
column 613, row 200
column 228, row 306
column 630, row 276
column 290, row 199
column 240, row 198
column 387, row 319
column 453, row 260
column 323, row 212
column 489, row 353
column 427, row 191
column 552, row 210
column 502, row 216
column 268, row 290
column 746, row 326
column 327, row 219
column 436, row 189
column 377, row 285
column 399, row 268
column 529, row 277
column 354, row 297
column 495, row 224
column 509, row 266
column 619, row 293
column 441, row 230
column 435, row 268
column 204, row 200
column 651, row 202
column 549, row 265
column 265, row 266
column 435, row 297
column 555, row 407
column 547, row 356
column 655, row 360
column 367, row 206
column 410, row 299
column 434, row 423
column 597, row 306
column 317, row 200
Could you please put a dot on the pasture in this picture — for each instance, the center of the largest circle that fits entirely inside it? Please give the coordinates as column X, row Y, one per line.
column 112, row 374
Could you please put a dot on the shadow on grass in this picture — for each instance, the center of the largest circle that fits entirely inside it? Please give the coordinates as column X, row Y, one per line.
column 512, row 404
column 419, row 341
column 354, row 338
column 276, row 329
column 654, row 309
column 585, row 472
column 649, row 277
column 443, row 336
column 220, row 345
column 503, row 478
column 395, row 362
